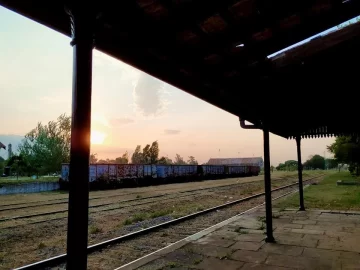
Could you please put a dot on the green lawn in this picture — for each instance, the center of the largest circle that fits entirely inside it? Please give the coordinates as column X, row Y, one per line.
column 327, row 195
column 24, row 180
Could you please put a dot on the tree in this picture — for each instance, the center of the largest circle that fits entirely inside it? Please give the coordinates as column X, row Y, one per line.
column 289, row 165
column 17, row 164
column 47, row 146
column 124, row 159
column 146, row 154
column 179, row 160
column 137, row 157
column 192, row 161
column 154, row 153
column 346, row 149
column 165, row 161
column 93, row 158
column 331, row 163
column 2, row 165
column 315, row 162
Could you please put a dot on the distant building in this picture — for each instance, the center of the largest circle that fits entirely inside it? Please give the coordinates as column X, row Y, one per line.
column 253, row 161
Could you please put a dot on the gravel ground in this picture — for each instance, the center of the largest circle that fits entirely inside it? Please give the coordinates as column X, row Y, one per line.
column 26, row 244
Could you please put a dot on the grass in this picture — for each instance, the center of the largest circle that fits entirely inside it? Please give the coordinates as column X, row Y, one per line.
column 2, row 256
column 138, row 217
column 5, row 181
column 172, row 264
column 240, row 230
column 327, row 195
column 41, row 245
column 160, row 213
column 94, row 230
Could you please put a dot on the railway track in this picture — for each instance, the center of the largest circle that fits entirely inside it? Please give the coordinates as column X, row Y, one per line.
column 25, row 205
column 160, row 235
column 133, row 202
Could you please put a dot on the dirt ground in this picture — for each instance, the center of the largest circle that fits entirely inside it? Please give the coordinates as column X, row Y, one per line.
column 27, row 240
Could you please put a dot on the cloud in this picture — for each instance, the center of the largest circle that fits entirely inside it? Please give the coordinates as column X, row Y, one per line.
column 171, row 131
column 149, row 96
column 121, row 121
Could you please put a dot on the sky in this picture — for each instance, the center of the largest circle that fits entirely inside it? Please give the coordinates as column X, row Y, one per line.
column 129, row 107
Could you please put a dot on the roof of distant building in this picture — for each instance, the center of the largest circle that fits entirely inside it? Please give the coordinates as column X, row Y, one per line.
column 235, row 161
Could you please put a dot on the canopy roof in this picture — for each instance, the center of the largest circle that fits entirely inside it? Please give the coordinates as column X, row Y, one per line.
column 217, row 51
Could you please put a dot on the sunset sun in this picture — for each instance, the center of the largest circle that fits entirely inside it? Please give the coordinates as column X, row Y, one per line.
column 97, row 137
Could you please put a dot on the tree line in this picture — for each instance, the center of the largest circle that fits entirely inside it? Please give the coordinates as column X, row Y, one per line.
column 47, row 146
column 147, row 155
column 314, row 162
column 346, row 150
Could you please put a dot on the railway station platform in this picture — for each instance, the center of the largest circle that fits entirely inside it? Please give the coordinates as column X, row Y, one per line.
column 312, row 239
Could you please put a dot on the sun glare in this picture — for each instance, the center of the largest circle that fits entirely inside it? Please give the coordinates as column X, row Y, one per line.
column 97, row 137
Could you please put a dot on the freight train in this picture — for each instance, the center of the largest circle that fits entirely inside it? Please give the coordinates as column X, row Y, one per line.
column 116, row 175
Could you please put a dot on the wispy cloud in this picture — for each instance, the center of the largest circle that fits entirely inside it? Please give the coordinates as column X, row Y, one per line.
column 171, row 131
column 121, row 121
column 149, row 96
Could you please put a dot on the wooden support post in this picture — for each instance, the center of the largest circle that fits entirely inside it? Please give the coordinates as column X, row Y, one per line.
column 267, row 179
column 77, row 235
column 301, row 192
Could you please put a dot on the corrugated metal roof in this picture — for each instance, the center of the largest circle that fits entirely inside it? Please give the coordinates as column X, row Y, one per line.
column 236, row 161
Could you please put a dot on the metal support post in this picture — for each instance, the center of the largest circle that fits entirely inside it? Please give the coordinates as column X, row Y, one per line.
column 269, row 227
column 77, row 235
column 301, row 192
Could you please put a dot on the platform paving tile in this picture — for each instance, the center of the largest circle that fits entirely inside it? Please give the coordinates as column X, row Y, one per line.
column 295, row 239
column 208, row 250
column 341, row 243
column 352, row 230
column 250, row 237
column 253, row 246
column 306, row 231
column 282, row 249
column 298, row 262
column 316, row 237
column 340, row 234
column 256, row 266
column 321, row 227
column 322, row 240
column 246, row 223
column 282, row 230
column 215, row 241
column 321, row 253
column 249, row 256
column 293, row 226
column 332, row 224
column 217, row 264
column 305, row 222
column 226, row 233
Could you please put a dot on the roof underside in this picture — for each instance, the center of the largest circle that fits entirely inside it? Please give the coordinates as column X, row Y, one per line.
column 195, row 46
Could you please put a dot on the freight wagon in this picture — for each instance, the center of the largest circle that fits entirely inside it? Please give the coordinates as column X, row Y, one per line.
column 116, row 175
